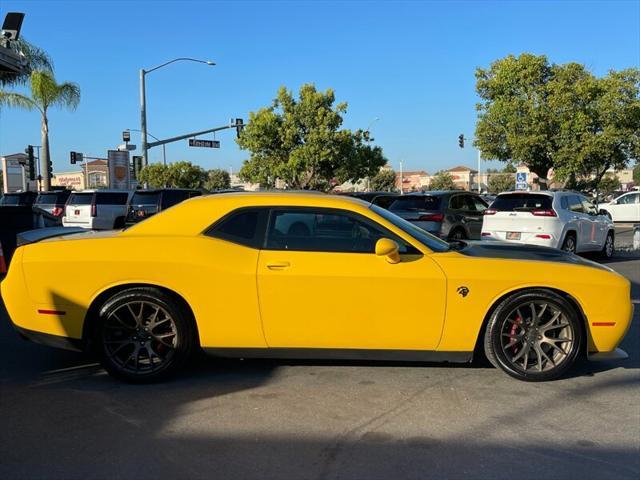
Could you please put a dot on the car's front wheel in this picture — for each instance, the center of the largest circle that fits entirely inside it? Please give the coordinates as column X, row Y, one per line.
column 144, row 335
column 609, row 246
column 534, row 335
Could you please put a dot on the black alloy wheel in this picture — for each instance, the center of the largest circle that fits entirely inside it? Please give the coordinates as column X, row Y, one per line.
column 534, row 336
column 144, row 335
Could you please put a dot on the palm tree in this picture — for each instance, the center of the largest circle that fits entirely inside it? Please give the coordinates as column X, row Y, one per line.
column 45, row 93
column 34, row 58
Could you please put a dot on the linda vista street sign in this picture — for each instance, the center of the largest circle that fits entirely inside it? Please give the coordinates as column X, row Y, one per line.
column 194, row 142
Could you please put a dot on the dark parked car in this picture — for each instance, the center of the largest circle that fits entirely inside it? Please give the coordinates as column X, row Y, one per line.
column 145, row 203
column 20, row 199
column 49, row 207
column 450, row 215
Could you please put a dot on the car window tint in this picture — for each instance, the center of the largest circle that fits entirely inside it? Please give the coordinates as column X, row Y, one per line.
column 564, row 204
column 575, row 205
column 384, row 201
column 325, row 231
column 522, row 202
column 46, row 198
column 145, row 198
column 111, row 198
column 457, row 202
column 415, row 202
column 81, row 199
column 173, row 197
column 475, row 204
column 239, row 227
column 628, row 199
column 588, row 207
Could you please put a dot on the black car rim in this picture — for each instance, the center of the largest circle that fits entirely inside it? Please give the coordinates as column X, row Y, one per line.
column 570, row 246
column 536, row 337
column 139, row 337
column 609, row 246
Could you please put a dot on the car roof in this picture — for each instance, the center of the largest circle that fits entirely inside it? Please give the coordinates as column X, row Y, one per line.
column 157, row 190
column 194, row 215
column 101, row 190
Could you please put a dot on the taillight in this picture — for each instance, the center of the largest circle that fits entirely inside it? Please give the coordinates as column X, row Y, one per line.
column 57, row 211
column 544, row 213
column 431, row 217
column 544, row 236
column 94, row 210
column 490, row 211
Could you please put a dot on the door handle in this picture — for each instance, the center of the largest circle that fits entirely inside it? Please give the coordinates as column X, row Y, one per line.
column 278, row 265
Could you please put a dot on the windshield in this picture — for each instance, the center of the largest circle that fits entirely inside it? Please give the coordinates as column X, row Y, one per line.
column 10, row 200
column 81, row 199
column 423, row 237
column 514, row 202
column 416, row 202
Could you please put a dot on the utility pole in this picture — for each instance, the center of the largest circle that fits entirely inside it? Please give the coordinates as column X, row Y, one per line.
column 401, row 186
column 143, row 117
column 479, row 177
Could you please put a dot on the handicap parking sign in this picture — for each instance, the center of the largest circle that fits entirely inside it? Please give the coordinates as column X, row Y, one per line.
column 521, row 177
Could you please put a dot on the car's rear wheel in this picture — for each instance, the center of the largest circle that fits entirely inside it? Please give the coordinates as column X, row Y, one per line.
column 534, row 335
column 457, row 234
column 144, row 335
column 569, row 244
column 609, row 246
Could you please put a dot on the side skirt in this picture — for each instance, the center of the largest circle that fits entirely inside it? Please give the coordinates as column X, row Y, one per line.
column 342, row 354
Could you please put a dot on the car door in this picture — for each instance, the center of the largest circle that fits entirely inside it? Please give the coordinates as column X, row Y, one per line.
column 626, row 208
column 582, row 221
column 598, row 224
column 322, row 286
column 474, row 214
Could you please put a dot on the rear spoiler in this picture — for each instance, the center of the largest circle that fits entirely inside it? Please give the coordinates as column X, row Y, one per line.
column 33, row 236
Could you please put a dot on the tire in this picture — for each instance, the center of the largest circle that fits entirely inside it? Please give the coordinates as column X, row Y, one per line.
column 570, row 243
column 144, row 335
column 457, row 234
column 515, row 337
column 608, row 247
column 119, row 223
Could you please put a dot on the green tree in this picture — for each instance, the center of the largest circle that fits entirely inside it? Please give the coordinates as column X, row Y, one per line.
column 186, row 175
column 558, row 116
column 45, row 93
column 501, row 182
column 608, row 183
column 515, row 122
column 155, row 175
column 34, row 58
column 217, row 179
column 509, row 168
column 384, row 181
column 442, row 181
column 300, row 142
column 636, row 174
column 599, row 123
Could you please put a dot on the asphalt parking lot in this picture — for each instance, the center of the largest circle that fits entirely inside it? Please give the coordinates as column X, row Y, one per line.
column 63, row 417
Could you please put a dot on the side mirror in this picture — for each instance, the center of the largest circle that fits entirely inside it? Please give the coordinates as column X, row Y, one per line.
column 604, row 213
column 386, row 247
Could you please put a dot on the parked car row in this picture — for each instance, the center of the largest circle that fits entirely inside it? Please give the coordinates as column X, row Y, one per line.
column 559, row 219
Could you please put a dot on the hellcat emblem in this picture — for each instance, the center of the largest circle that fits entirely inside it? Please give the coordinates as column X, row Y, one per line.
column 464, row 291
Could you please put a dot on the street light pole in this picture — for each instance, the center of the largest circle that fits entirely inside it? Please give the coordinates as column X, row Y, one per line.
column 143, row 101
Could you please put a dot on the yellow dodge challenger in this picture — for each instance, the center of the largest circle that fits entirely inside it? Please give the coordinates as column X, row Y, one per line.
column 293, row 275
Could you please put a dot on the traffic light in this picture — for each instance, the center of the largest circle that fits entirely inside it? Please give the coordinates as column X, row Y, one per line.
column 31, row 161
column 49, row 169
column 74, row 158
column 137, row 166
column 461, row 140
column 239, row 126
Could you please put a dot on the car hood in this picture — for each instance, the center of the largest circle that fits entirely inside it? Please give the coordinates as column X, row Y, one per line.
column 511, row 251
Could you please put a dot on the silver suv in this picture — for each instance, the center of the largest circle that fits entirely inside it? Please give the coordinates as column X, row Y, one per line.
column 97, row 209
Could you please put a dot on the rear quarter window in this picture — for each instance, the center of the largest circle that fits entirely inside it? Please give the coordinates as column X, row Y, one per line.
column 522, row 202
column 416, row 203
column 81, row 199
column 111, row 198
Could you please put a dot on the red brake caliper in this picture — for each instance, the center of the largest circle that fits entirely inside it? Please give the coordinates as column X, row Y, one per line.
column 514, row 328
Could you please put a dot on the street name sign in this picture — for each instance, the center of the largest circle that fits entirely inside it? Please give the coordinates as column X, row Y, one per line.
column 194, row 142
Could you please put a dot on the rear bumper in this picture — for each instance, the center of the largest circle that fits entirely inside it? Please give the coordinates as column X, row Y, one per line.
column 55, row 341
column 81, row 224
column 552, row 242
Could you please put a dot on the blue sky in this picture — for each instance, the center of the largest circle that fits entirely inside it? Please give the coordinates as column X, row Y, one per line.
column 411, row 64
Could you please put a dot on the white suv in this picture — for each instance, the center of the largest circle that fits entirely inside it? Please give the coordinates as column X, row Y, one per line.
column 96, row 209
column 558, row 219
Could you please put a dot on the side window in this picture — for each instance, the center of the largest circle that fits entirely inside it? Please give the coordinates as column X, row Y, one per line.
column 111, row 198
column 172, row 197
column 589, row 207
column 243, row 227
column 628, row 199
column 575, row 205
column 457, row 202
column 325, row 231
column 564, row 203
column 475, row 204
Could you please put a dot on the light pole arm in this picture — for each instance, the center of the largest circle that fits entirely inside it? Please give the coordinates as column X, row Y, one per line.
column 189, row 135
column 187, row 59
